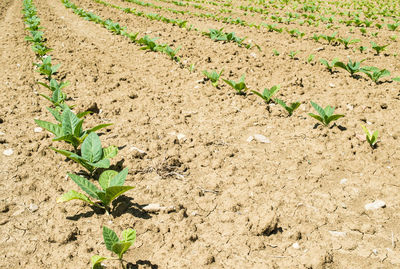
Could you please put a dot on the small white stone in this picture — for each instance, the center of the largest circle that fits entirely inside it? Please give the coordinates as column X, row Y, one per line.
column 181, row 136
column 369, row 123
column 38, row 130
column 197, row 86
column 375, row 251
column 8, row 152
column 253, row 55
column 331, row 85
column 194, row 213
column 33, row 207
column 250, row 138
column 349, row 107
column 343, row 181
column 137, row 149
column 296, row 245
column 261, row 138
column 18, row 65
column 338, row 234
column 1, row 133
column 375, row 205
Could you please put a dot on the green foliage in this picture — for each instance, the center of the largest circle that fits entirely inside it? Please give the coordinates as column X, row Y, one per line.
column 213, row 76
column 375, row 73
column 351, row 67
column 292, row 54
column 46, row 67
column 172, row 53
column 114, row 244
column 329, row 38
column 326, row 115
column 275, row 52
column 289, row 108
column 149, row 43
column 267, row 93
column 239, row 86
column 111, row 183
column 371, row 138
column 393, row 27
column 328, row 65
column 362, row 48
column 378, row 48
column 92, row 156
column 310, row 58
column 219, row 35
column 347, row 41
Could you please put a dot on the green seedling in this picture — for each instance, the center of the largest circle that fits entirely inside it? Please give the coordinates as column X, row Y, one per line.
column 363, row 31
column 292, row 54
column 54, row 85
column 239, row 86
column 329, row 38
column 378, row 48
column 172, row 53
column 37, row 37
column 371, row 138
column 213, row 76
column 310, row 58
column 46, row 67
column 397, row 79
column 347, row 41
column 328, row 65
column 69, row 127
column 393, row 27
column 289, row 108
column 111, row 183
column 326, row 115
column 93, row 155
column 40, row 50
column 192, row 67
column 316, row 37
column 275, row 52
column 268, row 93
column 375, row 73
column 362, row 48
column 114, row 27
column 114, row 244
column 149, row 44
column 351, row 67
column 296, row 33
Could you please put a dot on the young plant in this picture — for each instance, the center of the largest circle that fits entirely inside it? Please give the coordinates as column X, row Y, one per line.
column 93, row 155
column 114, row 244
column 268, row 93
column 111, row 183
column 172, row 53
column 393, row 27
column 310, row 58
column 213, row 76
column 347, row 41
column 40, row 50
column 46, row 67
column 375, row 73
column 371, row 138
column 289, row 108
column 275, row 52
column 328, row 65
column 239, row 86
column 292, row 54
column 326, row 115
column 329, row 38
column 378, row 48
column 351, row 67
column 362, row 48
column 149, row 44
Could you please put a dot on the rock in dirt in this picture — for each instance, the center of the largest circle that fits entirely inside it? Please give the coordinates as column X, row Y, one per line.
column 8, row 152
column 296, row 245
column 259, row 138
column 154, row 208
column 38, row 130
column 337, row 234
column 138, row 153
column 375, row 205
column 263, row 223
column 33, row 207
column 317, row 258
column 1, row 133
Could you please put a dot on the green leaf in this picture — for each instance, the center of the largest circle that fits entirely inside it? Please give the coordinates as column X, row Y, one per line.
column 110, row 238
column 319, row 109
column 68, row 138
column 85, row 185
column 73, row 195
column 105, row 178
column 104, row 163
column 96, row 261
column 98, row 127
column 112, row 193
column 316, row 117
column 69, row 121
column 91, row 148
column 120, row 248
column 110, row 152
column 396, row 79
column 83, row 114
column 55, row 113
column 119, row 179
column 129, row 235
column 333, row 118
column 51, row 127
column 329, row 111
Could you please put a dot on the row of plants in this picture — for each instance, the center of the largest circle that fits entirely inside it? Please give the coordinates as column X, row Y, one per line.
column 325, row 115
column 146, row 42
column 87, row 148
column 214, row 34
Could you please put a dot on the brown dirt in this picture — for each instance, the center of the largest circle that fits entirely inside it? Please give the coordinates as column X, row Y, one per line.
column 238, row 204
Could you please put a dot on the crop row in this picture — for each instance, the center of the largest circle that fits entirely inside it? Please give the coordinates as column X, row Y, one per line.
column 87, row 148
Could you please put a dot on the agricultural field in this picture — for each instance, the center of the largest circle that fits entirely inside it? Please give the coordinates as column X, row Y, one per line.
column 199, row 134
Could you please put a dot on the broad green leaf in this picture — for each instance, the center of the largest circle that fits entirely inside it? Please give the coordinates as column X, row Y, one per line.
column 85, row 185
column 105, row 178
column 396, row 79
column 316, row 117
column 96, row 261
column 98, row 127
column 78, row 129
column 56, row 114
column 319, row 109
column 341, row 65
column 51, row 127
column 83, row 114
column 329, row 111
column 73, row 195
column 110, row 152
column 119, row 179
column 110, row 238
column 91, row 148
column 105, row 163
column 69, row 121
column 333, row 118
column 68, row 138
column 113, row 192
column 129, row 235
column 120, row 248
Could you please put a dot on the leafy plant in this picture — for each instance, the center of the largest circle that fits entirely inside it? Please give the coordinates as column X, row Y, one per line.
column 213, row 76
column 362, row 48
column 149, row 43
column 328, row 65
column 292, row 54
column 289, row 108
column 347, row 41
column 310, row 58
column 239, row 86
column 93, row 155
column 393, row 27
column 111, row 183
column 172, row 53
column 46, row 67
column 268, row 93
column 329, row 38
column 371, row 138
column 378, row 48
column 326, row 115
column 375, row 73
column 40, row 49
column 396, row 79
column 114, row 244
column 351, row 67
column 275, row 52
